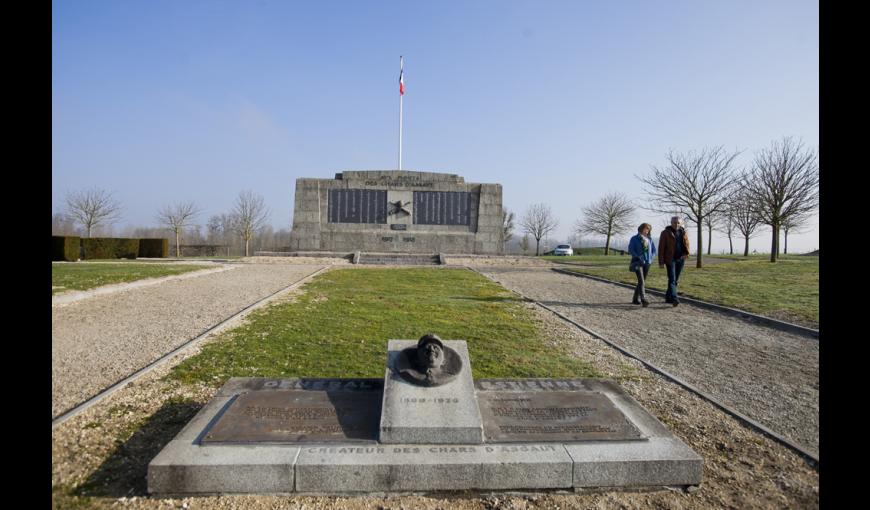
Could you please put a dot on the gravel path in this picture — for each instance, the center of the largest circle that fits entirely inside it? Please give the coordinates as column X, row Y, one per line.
column 766, row 374
column 99, row 341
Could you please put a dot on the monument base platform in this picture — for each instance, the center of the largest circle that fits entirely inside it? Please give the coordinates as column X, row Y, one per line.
column 637, row 452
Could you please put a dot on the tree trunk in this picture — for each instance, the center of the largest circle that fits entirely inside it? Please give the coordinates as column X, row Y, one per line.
column 774, row 246
column 746, row 249
column 730, row 245
column 177, row 244
column 246, row 246
column 785, row 248
column 537, row 247
column 709, row 238
column 700, row 246
column 607, row 245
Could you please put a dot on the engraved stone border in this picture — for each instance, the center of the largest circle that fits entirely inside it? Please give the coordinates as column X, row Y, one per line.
column 415, row 467
column 185, row 467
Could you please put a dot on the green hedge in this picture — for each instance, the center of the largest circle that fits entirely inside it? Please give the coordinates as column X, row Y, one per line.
column 154, row 248
column 65, row 248
column 110, row 248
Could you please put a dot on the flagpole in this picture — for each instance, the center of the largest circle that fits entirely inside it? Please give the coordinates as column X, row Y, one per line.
column 401, row 66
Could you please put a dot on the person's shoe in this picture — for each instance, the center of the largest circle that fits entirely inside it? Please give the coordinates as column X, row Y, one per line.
column 645, row 303
column 675, row 302
column 635, row 302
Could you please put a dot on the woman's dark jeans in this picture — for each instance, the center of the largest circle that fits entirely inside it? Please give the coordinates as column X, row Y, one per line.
column 640, row 291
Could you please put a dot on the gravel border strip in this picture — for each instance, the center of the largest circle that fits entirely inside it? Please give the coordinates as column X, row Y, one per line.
column 745, row 419
column 71, row 297
column 217, row 328
column 776, row 323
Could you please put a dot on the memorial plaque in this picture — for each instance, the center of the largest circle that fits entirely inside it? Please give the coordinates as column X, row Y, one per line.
column 561, row 416
column 357, row 206
column 441, row 208
column 291, row 416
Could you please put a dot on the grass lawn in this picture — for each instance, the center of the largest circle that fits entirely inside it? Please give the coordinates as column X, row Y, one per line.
column 84, row 275
column 340, row 325
column 786, row 290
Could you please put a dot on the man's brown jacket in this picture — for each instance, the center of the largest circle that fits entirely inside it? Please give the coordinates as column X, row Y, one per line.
column 668, row 245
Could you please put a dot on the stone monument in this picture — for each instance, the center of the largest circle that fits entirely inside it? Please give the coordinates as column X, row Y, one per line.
column 397, row 211
column 432, row 429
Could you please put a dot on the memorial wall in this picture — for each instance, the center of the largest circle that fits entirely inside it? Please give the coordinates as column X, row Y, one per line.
column 397, row 211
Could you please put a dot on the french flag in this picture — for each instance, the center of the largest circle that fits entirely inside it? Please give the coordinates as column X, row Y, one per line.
column 401, row 77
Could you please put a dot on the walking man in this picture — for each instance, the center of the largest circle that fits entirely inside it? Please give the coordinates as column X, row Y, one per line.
column 673, row 251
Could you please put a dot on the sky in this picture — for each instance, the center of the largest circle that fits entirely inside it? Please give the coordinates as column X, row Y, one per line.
column 560, row 102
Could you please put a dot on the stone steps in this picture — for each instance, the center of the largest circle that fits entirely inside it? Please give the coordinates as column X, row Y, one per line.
column 399, row 259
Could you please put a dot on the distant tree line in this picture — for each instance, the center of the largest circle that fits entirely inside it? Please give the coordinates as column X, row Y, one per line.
column 242, row 230
column 779, row 189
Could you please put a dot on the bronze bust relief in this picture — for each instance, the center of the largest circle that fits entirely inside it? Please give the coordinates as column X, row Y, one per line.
column 431, row 363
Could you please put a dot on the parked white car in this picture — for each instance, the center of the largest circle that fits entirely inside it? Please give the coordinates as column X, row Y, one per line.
column 563, row 249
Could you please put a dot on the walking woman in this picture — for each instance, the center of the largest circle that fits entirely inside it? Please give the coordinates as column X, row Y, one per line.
column 642, row 251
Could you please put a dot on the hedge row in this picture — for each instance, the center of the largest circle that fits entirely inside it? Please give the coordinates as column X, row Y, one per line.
column 65, row 248
column 72, row 248
column 154, row 248
column 109, row 248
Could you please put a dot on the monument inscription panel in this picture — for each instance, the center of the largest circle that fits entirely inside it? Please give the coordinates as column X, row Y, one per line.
column 288, row 416
column 562, row 416
column 357, row 206
column 441, row 208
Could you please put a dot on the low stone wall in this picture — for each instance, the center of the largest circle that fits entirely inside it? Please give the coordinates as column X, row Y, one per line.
column 495, row 260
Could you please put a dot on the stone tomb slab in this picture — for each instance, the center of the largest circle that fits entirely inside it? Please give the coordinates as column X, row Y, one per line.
column 191, row 465
column 661, row 459
column 299, row 416
column 187, row 465
column 555, row 416
column 446, row 414
column 184, row 466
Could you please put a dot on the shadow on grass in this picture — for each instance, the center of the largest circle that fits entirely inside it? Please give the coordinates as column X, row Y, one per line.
column 124, row 473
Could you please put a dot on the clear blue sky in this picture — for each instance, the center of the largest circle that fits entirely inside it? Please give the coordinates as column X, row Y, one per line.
column 559, row 101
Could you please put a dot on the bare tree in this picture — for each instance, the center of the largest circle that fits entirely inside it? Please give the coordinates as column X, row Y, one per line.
column 695, row 184
column 62, row 225
column 783, row 184
column 92, row 207
column 794, row 224
column 213, row 229
column 250, row 214
column 282, row 239
column 220, row 230
column 175, row 217
column 507, row 224
column 524, row 243
column 712, row 222
column 265, row 239
column 727, row 226
column 538, row 222
column 610, row 215
column 746, row 220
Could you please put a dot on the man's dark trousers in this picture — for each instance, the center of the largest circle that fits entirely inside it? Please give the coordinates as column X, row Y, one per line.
column 674, row 270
